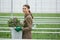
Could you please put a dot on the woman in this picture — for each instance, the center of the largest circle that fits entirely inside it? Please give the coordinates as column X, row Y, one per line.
column 27, row 22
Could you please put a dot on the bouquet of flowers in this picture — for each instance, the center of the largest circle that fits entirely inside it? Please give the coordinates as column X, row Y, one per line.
column 14, row 22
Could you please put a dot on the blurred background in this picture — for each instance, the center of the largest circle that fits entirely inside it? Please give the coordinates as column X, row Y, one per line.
column 46, row 22
column 37, row 6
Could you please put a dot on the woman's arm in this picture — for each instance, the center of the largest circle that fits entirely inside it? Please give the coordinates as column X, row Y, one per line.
column 29, row 22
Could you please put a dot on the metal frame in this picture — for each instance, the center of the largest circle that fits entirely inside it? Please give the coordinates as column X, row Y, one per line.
column 11, row 8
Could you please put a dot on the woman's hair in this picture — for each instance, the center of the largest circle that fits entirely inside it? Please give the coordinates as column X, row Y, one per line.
column 28, row 8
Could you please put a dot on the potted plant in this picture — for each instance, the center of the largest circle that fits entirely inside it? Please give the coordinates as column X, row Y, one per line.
column 16, row 28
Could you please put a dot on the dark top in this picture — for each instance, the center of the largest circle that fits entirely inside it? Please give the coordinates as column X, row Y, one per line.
column 27, row 27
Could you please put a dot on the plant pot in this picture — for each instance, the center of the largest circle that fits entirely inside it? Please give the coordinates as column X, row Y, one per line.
column 15, row 34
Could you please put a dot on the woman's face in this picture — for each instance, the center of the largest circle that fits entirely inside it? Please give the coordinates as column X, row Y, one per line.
column 25, row 9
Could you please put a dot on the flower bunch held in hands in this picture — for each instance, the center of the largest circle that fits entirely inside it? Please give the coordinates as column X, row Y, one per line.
column 14, row 22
